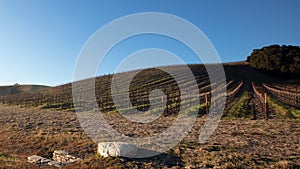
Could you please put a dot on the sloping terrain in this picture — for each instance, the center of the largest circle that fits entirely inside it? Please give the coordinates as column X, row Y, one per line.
column 260, row 125
column 19, row 89
column 144, row 82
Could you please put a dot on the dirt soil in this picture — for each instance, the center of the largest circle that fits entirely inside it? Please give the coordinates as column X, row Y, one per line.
column 239, row 143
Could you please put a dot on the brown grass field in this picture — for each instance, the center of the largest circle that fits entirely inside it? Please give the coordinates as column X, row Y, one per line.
column 40, row 122
column 237, row 143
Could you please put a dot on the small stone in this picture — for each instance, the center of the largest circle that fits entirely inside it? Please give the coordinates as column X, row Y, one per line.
column 54, row 163
column 35, row 159
column 68, row 156
column 45, row 160
column 64, row 157
column 60, row 152
column 64, row 163
column 283, row 164
column 72, row 160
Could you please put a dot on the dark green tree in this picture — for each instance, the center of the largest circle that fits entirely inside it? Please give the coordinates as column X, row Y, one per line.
column 282, row 60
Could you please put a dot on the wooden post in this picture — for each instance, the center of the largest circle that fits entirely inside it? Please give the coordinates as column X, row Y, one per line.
column 56, row 98
column 167, row 98
column 207, row 103
column 266, row 105
column 102, row 103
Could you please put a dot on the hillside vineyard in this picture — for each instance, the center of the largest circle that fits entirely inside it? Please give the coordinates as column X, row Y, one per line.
column 144, row 82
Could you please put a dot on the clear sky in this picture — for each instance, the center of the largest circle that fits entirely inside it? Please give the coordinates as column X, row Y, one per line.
column 40, row 40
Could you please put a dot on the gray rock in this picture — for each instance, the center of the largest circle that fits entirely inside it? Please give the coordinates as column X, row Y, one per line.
column 64, row 157
column 35, row 159
column 54, row 163
column 60, row 152
column 60, row 158
column 116, row 149
column 45, row 160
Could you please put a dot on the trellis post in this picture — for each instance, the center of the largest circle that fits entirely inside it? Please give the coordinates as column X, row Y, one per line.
column 266, row 105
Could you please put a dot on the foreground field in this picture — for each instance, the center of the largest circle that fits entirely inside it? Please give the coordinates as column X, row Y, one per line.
column 241, row 143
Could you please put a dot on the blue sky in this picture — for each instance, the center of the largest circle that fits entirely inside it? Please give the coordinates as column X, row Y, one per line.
column 41, row 40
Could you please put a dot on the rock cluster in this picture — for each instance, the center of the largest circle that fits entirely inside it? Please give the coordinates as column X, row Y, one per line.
column 116, row 149
column 35, row 159
column 60, row 158
column 38, row 159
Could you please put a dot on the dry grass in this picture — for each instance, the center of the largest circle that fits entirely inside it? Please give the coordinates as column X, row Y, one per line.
column 238, row 143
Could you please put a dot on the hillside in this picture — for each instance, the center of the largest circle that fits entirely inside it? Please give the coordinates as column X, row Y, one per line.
column 259, row 129
column 239, row 76
column 18, row 89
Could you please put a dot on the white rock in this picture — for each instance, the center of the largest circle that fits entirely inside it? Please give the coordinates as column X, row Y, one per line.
column 116, row 149
column 72, row 160
column 35, row 159
column 60, row 158
column 54, row 163
column 45, row 160
column 68, row 156
column 60, row 152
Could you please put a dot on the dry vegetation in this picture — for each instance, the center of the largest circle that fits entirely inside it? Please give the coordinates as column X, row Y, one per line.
column 40, row 122
column 238, row 143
